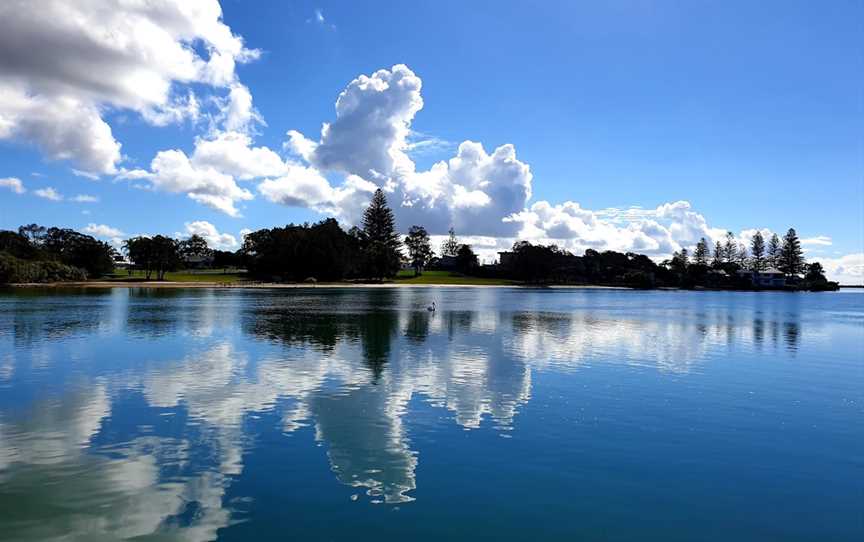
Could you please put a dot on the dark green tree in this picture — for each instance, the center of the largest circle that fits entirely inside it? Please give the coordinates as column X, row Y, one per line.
column 139, row 250
column 157, row 254
column 680, row 261
column 730, row 248
column 741, row 255
column 791, row 255
column 34, row 233
column 815, row 273
column 194, row 248
column 419, row 248
column 450, row 247
column 717, row 259
column 381, row 240
column 773, row 254
column 757, row 252
column 78, row 250
column 166, row 255
column 702, row 252
column 466, row 260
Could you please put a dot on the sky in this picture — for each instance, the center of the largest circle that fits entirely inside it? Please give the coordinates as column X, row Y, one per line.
column 624, row 125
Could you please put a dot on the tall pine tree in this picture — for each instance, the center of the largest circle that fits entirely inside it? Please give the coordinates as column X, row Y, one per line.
column 730, row 249
column 757, row 252
column 700, row 255
column 381, row 240
column 718, row 255
column 791, row 255
column 450, row 247
column 774, row 247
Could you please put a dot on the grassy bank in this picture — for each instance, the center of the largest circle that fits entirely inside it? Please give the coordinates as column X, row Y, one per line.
column 217, row 276
column 188, row 275
column 445, row 277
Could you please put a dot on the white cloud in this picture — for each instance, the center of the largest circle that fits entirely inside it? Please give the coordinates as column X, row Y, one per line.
column 306, row 187
column 232, row 153
column 48, row 193
column 819, row 240
column 238, row 113
column 210, row 175
column 848, row 269
column 472, row 191
column 319, row 19
column 172, row 171
column 14, row 184
column 62, row 64
column 103, row 230
column 421, row 144
column 373, row 118
column 85, row 198
column 216, row 240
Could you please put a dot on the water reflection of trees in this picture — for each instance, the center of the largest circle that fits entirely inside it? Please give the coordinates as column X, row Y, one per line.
column 31, row 316
column 322, row 324
column 348, row 363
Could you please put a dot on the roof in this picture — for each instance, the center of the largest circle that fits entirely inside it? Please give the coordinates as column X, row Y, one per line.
column 772, row 271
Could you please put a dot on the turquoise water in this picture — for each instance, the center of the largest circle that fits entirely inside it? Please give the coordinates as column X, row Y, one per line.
column 355, row 414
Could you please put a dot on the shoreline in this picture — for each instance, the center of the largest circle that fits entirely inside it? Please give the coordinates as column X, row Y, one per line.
column 281, row 286
column 335, row 285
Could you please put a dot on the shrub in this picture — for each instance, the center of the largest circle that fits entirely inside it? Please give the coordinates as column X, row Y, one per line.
column 14, row 270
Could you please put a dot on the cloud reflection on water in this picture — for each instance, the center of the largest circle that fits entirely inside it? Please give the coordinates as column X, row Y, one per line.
column 347, row 363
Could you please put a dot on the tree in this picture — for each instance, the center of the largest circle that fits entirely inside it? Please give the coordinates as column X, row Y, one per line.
column 381, row 240
column 815, row 273
column 700, row 255
column 160, row 254
column 78, row 250
column 224, row 259
column 717, row 260
column 466, row 260
column 680, row 261
column 140, row 253
column 757, row 252
column 296, row 252
column 741, row 255
column 34, row 233
column 730, row 249
column 166, row 255
column 419, row 248
column 773, row 257
column 450, row 247
column 194, row 249
column 791, row 255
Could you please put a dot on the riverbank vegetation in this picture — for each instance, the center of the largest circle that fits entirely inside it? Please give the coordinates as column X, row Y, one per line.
column 374, row 252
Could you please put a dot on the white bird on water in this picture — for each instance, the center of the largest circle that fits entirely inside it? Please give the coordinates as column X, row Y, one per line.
column 431, row 308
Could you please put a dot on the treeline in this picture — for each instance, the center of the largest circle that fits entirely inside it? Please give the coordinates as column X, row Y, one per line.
column 38, row 254
column 731, row 266
column 324, row 251
column 374, row 251
column 732, row 263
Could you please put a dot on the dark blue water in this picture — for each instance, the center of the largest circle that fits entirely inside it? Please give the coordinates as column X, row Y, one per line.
column 355, row 414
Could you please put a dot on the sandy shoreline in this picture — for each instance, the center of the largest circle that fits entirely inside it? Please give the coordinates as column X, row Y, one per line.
column 270, row 285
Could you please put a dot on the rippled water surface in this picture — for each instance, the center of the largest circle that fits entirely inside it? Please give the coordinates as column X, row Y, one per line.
column 508, row 414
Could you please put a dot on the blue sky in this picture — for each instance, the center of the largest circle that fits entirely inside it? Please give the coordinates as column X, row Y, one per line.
column 750, row 112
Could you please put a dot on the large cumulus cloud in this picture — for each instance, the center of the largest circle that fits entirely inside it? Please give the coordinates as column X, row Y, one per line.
column 368, row 140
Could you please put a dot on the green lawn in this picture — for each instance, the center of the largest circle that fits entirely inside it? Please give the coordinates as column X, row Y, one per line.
column 217, row 276
column 446, row 277
column 202, row 275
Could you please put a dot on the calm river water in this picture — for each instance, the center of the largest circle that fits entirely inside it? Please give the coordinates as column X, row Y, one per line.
column 356, row 414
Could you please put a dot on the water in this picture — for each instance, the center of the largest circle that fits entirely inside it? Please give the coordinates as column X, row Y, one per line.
column 508, row 414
